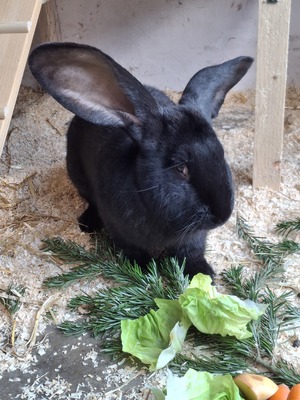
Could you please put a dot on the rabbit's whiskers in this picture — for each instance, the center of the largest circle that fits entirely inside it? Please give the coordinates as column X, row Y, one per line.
column 193, row 224
column 149, row 188
column 140, row 190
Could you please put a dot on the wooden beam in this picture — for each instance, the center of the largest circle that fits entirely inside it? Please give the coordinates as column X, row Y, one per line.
column 272, row 55
column 48, row 26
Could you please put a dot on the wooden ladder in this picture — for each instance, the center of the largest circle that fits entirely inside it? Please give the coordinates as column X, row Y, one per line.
column 18, row 22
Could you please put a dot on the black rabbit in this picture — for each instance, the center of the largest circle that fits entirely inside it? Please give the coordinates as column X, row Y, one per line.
column 152, row 171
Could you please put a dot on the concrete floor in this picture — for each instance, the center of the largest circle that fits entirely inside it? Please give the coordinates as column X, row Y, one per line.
column 66, row 372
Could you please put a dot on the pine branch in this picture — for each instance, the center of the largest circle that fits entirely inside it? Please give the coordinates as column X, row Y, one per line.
column 264, row 250
column 89, row 264
column 287, row 227
column 259, row 247
column 216, row 365
column 107, row 308
column 291, row 315
column 271, row 255
column 169, row 282
column 68, row 251
column 233, row 278
column 112, row 345
column 286, row 247
column 76, row 273
column 280, row 314
column 228, row 345
column 229, row 355
column 284, row 372
column 133, row 298
column 71, row 328
column 250, row 287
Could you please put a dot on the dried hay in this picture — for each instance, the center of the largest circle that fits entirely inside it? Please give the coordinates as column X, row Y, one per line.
column 37, row 200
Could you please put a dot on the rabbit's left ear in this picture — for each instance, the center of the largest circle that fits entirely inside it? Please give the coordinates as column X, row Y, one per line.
column 90, row 84
column 207, row 89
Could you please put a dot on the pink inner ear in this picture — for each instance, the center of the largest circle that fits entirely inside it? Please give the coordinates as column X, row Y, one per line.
column 90, row 84
column 88, row 79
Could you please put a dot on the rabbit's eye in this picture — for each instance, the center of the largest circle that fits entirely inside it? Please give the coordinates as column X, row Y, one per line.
column 183, row 170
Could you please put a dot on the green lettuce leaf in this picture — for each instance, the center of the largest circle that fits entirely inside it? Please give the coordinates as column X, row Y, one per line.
column 196, row 385
column 156, row 337
column 215, row 313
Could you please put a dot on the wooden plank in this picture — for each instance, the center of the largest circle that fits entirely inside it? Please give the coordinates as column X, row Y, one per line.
column 272, row 55
column 16, row 10
column 14, row 49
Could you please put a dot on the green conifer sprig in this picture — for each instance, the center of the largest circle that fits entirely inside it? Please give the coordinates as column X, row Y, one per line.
column 264, row 250
column 70, row 328
column 109, row 307
column 68, row 251
column 228, row 355
column 283, row 370
column 249, row 287
column 291, row 316
column 271, row 256
column 216, row 364
column 112, row 346
column 133, row 297
column 102, row 261
column 287, row 227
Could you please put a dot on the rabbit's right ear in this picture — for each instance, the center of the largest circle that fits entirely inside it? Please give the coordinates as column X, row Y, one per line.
column 90, row 84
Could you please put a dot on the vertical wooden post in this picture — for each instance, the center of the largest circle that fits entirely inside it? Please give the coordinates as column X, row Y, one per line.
column 272, row 54
column 48, row 26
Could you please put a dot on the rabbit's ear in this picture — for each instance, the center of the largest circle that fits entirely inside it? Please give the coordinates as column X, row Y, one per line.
column 90, row 84
column 207, row 89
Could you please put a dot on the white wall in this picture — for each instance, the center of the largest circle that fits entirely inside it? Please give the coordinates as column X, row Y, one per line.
column 164, row 42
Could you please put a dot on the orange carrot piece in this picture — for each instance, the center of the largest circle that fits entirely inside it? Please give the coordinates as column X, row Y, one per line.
column 281, row 394
column 294, row 393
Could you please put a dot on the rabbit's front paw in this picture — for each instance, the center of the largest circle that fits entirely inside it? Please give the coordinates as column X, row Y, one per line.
column 90, row 221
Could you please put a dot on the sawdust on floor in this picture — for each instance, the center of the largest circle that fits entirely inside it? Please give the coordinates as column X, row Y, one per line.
column 37, row 200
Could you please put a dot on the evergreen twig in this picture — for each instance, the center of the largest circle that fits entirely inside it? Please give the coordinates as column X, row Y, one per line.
column 285, row 372
column 217, row 364
column 107, row 308
column 287, row 227
column 264, row 250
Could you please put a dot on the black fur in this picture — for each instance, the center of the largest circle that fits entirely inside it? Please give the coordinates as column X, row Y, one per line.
column 152, row 172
